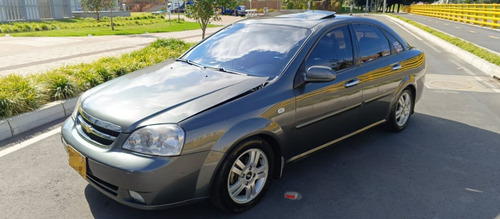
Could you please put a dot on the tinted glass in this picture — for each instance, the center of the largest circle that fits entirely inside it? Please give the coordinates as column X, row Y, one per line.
column 254, row 49
column 372, row 43
column 334, row 50
column 395, row 43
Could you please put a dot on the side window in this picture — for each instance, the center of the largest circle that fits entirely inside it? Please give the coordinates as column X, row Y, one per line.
column 333, row 50
column 372, row 42
column 395, row 43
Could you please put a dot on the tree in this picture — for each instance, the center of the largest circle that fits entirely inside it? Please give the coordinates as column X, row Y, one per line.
column 228, row 3
column 203, row 11
column 335, row 5
column 97, row 5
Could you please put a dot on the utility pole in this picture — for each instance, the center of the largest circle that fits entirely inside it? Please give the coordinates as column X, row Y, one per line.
column 366, row 8
column 179, row 11
column 168, row 11
column 385, row 6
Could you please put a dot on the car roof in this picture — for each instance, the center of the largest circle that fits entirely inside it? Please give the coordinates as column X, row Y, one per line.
column 310, row 19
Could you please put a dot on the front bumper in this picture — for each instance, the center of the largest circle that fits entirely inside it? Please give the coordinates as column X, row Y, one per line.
column 161, row 181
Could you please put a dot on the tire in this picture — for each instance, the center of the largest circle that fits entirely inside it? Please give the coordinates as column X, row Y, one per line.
column 401, row 112
column 241, row 181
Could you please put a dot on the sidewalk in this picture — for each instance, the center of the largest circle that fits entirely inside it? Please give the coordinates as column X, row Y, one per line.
column 28, row 55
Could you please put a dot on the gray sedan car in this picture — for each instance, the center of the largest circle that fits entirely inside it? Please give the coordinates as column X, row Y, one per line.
column 225, row 118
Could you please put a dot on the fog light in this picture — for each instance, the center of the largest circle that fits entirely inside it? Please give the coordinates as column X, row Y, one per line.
column 136, row 196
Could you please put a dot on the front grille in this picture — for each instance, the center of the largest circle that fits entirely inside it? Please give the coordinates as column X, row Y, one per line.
column 97, row 131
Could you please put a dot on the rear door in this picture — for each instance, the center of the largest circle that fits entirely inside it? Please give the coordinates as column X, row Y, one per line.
column 382, row 71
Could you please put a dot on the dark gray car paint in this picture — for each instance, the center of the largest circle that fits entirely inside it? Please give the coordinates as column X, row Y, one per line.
column 225, row 118
column 164, row 97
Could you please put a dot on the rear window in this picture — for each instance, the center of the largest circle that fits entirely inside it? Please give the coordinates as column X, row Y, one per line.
column 372, row 42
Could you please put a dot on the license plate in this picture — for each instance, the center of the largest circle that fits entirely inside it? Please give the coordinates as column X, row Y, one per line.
column 77, row 161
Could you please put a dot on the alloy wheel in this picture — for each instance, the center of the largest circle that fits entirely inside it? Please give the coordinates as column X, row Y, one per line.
column 248, row 176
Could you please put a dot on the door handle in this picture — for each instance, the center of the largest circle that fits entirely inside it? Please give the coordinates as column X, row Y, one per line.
column 352, row 83
column 396, row 67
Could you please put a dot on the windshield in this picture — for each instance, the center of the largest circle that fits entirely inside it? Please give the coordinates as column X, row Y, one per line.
column 253, row 49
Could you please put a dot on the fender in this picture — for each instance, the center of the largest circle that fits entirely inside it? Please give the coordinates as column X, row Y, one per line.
column 236, row 134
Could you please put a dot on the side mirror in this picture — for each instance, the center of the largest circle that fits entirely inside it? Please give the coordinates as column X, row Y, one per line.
column 318, row 73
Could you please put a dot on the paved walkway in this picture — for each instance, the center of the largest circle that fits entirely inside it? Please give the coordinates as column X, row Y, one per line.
column 483, row 36
column 29, row 55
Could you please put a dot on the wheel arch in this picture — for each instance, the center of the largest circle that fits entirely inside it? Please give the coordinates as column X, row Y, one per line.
column 267, row 130
column 408, row 82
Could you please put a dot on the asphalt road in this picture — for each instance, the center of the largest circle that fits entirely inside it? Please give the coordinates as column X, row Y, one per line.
column 485, row 37
column 444, row 165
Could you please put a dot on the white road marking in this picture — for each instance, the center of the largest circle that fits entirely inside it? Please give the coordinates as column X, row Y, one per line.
column 487, row 84
column 432, row 47
column 429, row 45
column 473, row 190
column 29, row 142
column 464, row 68
column 407, row 30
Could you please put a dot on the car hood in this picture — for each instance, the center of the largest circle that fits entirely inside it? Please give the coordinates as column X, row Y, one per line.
column 164, row 95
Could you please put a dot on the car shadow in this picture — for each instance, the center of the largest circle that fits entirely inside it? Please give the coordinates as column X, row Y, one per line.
column 434, row 168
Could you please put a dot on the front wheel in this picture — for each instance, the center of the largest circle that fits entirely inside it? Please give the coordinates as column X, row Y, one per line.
column 400, row 114
column 244, row 177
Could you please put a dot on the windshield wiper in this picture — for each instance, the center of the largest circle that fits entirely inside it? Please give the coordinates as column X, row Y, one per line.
column 190, row 62
column 222, row 69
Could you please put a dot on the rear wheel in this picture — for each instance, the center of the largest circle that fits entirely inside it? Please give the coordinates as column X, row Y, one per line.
column 244, row 176
column 401, row 113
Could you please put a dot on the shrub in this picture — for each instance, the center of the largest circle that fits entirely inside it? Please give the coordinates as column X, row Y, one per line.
column 60, row 86
column 26, row 28
column 44, row 27
column 18, row 94
column 15, row 29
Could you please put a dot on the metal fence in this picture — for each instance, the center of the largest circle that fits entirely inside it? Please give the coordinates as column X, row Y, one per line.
column 478, row 14
column 18, row 10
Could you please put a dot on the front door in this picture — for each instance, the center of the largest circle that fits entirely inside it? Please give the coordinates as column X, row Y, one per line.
column 326, row 111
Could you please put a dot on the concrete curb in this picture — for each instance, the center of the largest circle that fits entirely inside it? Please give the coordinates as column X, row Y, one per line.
column 481, row 64
column 27, row 121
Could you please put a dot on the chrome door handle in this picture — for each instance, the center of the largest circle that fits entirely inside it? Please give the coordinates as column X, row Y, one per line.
column 352, row 83
column 396, row 67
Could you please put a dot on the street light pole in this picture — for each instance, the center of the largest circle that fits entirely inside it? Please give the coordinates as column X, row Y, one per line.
column 366, row 8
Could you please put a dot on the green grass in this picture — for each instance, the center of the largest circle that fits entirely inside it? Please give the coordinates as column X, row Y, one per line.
column 19, row 94
column 119, row 30
column 478, row 51
column 138, row 23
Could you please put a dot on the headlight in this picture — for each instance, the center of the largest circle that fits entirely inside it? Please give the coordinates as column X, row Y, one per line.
column 77, row 106
column 161, row 140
